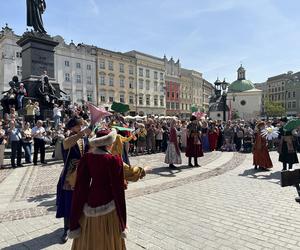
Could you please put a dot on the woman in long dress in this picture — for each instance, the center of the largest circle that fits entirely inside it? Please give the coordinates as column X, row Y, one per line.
column 173, row 151
column 204, row 136
column 213, row 134
column 98, row 214
column 261, row 156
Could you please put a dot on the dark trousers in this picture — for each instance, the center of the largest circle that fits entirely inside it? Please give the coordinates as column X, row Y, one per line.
column 39, row 145
column 16, row 151
column 284, row 164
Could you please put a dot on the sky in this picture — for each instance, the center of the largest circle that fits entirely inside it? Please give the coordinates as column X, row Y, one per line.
column 213, row 36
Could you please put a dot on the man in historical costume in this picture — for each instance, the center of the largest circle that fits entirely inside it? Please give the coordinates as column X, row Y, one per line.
column 287, row 147
column 261, row 156
column 98, row 213
column 194, row 146
column 35, row 9
column 73, row 148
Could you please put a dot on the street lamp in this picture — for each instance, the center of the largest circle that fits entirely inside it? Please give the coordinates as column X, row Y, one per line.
column 224, row 85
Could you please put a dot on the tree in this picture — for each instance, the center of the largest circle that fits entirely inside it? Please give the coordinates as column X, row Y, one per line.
column 274, row 109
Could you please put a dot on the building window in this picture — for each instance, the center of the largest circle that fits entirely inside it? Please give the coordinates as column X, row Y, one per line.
column 122, row 82
column 131, row 84
column 177, row 105
column 147, row 73
column 122, row 98
column 140, row 100
column 19, row 70
column 168, row 94
column 102, row 80
column 78, row 78
column 67, row 64
column 155, row 86
column 168, row 105
column 111, row 81
column 177, row 95
column 161, row 76
column 289, row 105
column 102, row 98
column 110, row 65
column 18, row 54
column 173, row 94
column 147, row 85
column 155, row 101
column 67, row 77
column 78, row 66
column 148, row 100
column 102, row 64
column 88, row 80
column 140, row 71
column 121, row 67
column 161, row 86
column 111, row 99
column 294, row 94
column 141, row 83
column 130, row 70
column 89, row 67
column 155, row 75
column 289, row 94
column 172, row 105
column 89, row 96
column 161, row 101
column 294, row 104
column 131, row 99
column 243, row 102
column 79, row 95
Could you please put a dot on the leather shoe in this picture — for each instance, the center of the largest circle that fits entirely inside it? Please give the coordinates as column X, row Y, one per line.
column 64, row 238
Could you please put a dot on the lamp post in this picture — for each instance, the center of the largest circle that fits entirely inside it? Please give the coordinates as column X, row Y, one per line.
column 224, row 86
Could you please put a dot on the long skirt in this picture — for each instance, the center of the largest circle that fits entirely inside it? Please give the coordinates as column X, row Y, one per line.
column 261, row 157
column 101, row 232
column 205, row 143
column 213, row 141
column 172, row 157
column 192, row 149
column 2, row 149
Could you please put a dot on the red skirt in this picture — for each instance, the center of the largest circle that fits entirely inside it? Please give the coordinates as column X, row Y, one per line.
column 192, row 149
column 261, row 157
column 213, row 141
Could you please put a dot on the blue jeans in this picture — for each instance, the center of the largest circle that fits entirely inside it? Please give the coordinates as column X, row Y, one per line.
column 56, row 121
column 16, row 152
column 20, row 101
column 27, row 146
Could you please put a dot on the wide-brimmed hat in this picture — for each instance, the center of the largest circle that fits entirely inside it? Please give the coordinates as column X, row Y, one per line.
column 104, row 137
column 261, row 123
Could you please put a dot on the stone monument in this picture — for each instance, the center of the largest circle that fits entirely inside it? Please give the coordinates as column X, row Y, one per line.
column 38, row 59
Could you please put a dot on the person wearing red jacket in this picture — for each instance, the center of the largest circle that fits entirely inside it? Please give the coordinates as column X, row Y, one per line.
column 98, row 212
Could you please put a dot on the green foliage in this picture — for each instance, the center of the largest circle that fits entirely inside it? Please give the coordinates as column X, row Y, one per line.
column 274, row 109
column 235, row 115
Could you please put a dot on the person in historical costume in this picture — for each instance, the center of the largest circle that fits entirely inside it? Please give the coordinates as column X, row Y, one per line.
column 173, row 152
column 183, row 136
column 287, row 147
column 204, row 137
column 194, row 145
column 98, row 214
column 213, row 134
column 261, row 156
column 73, row 148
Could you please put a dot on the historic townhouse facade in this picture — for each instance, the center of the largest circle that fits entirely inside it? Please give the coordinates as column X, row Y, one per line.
column 75, row 70
column 172, row 79
column 186, row 90
column 10, row 57
column 116, row 73
column 208, row 91
column 150, row 78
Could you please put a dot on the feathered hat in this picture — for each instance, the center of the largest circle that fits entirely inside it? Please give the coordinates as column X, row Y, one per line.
column 103, row 137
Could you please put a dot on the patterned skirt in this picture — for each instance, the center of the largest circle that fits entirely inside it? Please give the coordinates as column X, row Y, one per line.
column 172, row 157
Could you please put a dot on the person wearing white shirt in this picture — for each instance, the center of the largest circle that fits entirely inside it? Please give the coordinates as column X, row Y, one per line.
column 38, row 134
column 57, row 115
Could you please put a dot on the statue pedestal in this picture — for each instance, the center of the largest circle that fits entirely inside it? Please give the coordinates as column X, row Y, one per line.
column 38, row 57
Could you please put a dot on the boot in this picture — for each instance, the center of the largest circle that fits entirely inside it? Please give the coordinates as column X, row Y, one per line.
column 172, row 166
column 190, row 162
column 196, row 162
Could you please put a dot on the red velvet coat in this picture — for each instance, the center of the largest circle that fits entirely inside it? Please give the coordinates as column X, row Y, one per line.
column 100, row 179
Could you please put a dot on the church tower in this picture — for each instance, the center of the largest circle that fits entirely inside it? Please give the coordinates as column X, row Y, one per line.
column 241, row 73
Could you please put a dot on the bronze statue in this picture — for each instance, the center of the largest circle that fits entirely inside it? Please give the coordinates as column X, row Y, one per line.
column 35, row 9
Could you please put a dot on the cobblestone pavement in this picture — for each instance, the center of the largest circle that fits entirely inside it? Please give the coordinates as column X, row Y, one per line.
column 225, row 204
